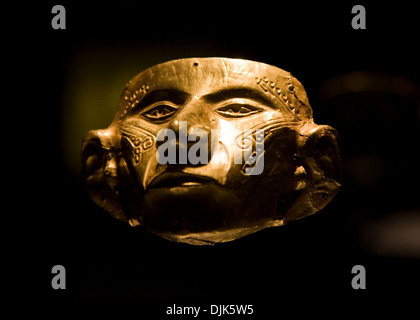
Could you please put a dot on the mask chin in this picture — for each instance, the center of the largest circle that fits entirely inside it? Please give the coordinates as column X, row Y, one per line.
column 192, row 209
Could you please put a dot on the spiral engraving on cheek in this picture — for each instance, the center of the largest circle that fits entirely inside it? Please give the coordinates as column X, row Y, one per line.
column 137, row 139
column 254, row 165
column 244, row 141
column 254, row 141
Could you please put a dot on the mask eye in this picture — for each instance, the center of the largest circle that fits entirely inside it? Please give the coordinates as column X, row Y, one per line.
column 159, row 113
column 237, row 110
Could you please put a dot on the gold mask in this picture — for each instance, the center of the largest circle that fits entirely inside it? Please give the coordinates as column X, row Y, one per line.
column 207, row 150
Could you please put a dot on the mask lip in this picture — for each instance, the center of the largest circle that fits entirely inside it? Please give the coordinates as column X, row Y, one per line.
column 178, row 179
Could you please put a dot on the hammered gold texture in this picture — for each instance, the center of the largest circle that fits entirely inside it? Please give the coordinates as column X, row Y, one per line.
column 216, row 201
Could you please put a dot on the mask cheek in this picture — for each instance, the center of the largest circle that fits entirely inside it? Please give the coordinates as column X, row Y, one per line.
column 139, row 149
column 103, row 168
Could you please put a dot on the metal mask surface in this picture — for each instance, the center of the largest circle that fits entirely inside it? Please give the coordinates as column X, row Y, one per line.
column 207, row 150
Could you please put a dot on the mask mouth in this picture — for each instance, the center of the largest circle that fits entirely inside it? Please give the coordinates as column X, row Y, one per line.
column 179, row 179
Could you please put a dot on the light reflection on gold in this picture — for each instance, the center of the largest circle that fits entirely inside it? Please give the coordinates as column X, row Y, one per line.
column 215, row 201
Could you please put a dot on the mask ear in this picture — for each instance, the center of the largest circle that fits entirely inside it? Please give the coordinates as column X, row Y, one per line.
column 102, row 168
column 318, row 154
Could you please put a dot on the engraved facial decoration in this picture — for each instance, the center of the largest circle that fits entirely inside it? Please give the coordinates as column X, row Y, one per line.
column 207, row 150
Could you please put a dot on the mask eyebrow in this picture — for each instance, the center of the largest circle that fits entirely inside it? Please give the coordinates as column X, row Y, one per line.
column 231, row 93
column 176, row 96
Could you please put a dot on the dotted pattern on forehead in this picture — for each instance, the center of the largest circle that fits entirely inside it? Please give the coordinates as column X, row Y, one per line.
column 287, row 96
column 283, row 96
column 133, row 99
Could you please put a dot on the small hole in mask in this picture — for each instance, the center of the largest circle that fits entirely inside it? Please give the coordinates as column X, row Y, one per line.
column 195, row 64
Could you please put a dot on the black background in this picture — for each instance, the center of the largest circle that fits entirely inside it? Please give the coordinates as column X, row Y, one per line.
column 308, row 260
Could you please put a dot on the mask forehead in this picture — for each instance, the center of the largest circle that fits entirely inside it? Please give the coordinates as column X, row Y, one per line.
column 202, row 76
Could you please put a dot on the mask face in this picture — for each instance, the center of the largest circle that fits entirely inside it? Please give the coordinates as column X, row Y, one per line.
column 208, row 150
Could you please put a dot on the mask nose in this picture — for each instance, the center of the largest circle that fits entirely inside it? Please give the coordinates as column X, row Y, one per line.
column 187, row 139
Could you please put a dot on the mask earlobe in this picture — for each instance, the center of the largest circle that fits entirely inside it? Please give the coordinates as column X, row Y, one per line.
column 101, row 167
column 320, row 158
